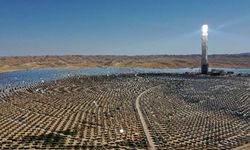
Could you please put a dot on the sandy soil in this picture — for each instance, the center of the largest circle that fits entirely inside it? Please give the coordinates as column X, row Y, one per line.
column 152, row 61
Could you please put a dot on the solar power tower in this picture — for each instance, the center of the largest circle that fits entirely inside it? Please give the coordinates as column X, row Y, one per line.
column 204, row 48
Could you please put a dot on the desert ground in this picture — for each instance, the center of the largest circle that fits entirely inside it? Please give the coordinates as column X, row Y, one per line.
column 132, row 111
column 151, row 61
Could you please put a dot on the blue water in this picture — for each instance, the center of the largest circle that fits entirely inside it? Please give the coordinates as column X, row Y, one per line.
column 25, row 77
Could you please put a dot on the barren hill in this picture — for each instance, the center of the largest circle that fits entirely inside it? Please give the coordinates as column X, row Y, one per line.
column 151, row 61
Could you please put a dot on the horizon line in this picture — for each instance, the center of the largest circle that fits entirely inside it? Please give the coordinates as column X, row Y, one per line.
column 44, row 55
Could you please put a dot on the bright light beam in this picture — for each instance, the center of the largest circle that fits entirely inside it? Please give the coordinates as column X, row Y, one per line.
column 205, row 30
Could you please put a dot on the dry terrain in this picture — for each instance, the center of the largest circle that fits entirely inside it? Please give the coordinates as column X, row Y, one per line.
column 151, row 61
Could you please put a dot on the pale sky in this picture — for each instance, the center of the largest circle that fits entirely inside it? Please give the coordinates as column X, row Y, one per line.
column 122, row 27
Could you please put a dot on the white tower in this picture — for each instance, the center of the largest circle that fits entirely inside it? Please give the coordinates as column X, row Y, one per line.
column 204, row 48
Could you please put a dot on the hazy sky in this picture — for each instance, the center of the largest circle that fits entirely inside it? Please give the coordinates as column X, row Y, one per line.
column 130, row 27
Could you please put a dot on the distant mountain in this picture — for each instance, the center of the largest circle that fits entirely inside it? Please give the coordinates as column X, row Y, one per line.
column 239, row 55
column 145, row 61
column 245, row 54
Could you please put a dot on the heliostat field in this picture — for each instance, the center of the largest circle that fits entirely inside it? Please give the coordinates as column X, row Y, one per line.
column 133, row 111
